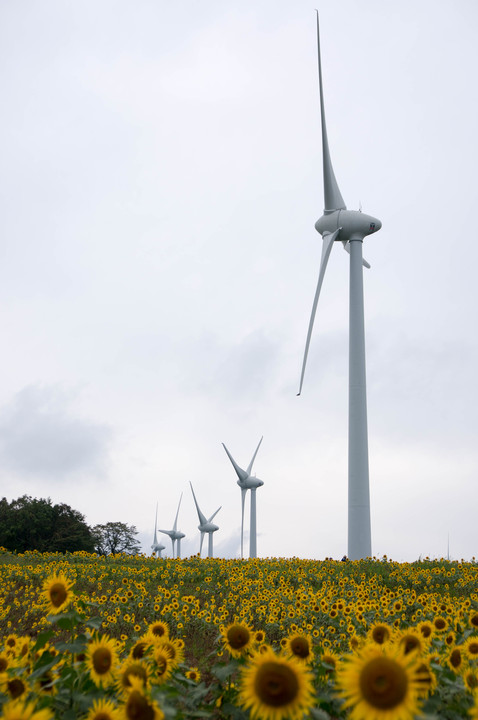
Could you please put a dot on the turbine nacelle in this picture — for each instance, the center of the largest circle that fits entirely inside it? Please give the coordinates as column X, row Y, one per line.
column 250, row 483
column 352, row 224
column 208, row 527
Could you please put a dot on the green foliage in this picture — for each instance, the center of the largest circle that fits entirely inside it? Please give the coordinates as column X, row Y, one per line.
column 115, row 537
column 28, row 524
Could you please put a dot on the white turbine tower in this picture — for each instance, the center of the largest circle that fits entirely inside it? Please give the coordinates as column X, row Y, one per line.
column 205, row 525
column 175, row 534
column 349, row 227
column 247, row 482
column 157, row 547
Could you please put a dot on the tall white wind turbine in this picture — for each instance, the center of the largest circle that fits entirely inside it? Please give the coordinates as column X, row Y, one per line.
column 349, row 227
column 157, row 547
column 175, row 534
column 247, row 482
column 205, row 525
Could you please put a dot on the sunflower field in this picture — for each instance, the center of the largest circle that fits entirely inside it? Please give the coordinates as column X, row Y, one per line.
column 107, row 638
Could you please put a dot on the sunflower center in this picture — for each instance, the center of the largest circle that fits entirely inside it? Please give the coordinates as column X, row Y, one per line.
column 455, row 658
column 473, row 648
column 58, row 594
column 237, row 637
column 15, row 688
column 383, row 683
column 138, row 650
column 380, row 634
column 3, row 664
column 138, row 707
column 102, row 661
column 276, row 685
column 158, row 630
column 300, row 647
column 162, row 666
column 410, row 643
column 102, row 715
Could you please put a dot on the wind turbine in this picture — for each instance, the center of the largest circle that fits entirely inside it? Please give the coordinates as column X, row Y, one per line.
column 247, row 482
column 175, row 534
column 157, row 547
column 349, row 227
column 205, row 525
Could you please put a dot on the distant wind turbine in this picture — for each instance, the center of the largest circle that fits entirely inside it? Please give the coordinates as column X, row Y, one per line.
column 349, row 227
column 205, row 525
column 175, row 534
column 157, row 547
column 247, row 482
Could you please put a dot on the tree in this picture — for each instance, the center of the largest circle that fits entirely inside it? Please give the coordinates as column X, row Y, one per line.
column 115, row 537
column 36, row 524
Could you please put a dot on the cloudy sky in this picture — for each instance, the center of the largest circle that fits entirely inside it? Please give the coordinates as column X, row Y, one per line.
column 160, row 180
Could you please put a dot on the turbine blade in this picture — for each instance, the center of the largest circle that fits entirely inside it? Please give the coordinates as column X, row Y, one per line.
column 156, row 526
column 328, row 241
column 241, row 474
column 249, row 467
column 347, row 248
column 333, row 199
column 176, row 520
column 202, row 518
column 202, row 539
column 214, row 515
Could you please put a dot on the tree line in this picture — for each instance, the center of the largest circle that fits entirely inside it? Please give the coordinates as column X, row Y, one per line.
column 37, row 524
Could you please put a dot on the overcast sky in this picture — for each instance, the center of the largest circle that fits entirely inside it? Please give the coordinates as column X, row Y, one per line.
column 160, row 178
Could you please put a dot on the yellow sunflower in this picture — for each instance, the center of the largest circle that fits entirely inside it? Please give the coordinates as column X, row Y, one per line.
column 380, row 633
column 103, row 710
column 19, row 710
column 300, row 646
column 101, row 660
column 411, row 640
column 162, row 666
column 57, row 593
column 471, row 647
column 470, row 678
column 238, row 638
column 129, row 670
column 14, row 687
column 159, row 629
column 193, row 674
column 379, row 683
column 174, row 649
column 275, row 687
column 138, row 705
column 455, row 659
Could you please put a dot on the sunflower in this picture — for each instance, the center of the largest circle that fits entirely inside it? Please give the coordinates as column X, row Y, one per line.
column 300, row 646
column 426, row 629
column 5, row 661
column 103, row 710
column 275, row 687
column 380, row 633
column 470, row 678
column 411, row 640
column 138, row 706
column 455, row 659
column 380, row 684
column 193, row 674
column 57, row 593
column 238, row 638
column 101, row 660
column 159, row 629
column 162, row 666
column 13, row 687
column 329, row 658
column 426, row 677
column 19, row 710
column 471, row 647
column 174, row 649
column 473, row 619
column 128, row 671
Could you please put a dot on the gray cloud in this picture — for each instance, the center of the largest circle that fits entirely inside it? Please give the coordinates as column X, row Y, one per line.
column 40, row 436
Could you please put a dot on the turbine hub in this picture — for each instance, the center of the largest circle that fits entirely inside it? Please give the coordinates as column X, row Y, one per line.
column 352, row 224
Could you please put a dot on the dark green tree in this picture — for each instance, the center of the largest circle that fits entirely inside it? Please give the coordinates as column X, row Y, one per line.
column 115, row 537
column 36, row 524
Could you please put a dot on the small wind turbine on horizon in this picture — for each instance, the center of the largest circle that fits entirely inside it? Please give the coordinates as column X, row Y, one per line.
column 349, row 227
column 175, row 534
column 157, row 547
column 205, row 525
column 247, row 482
